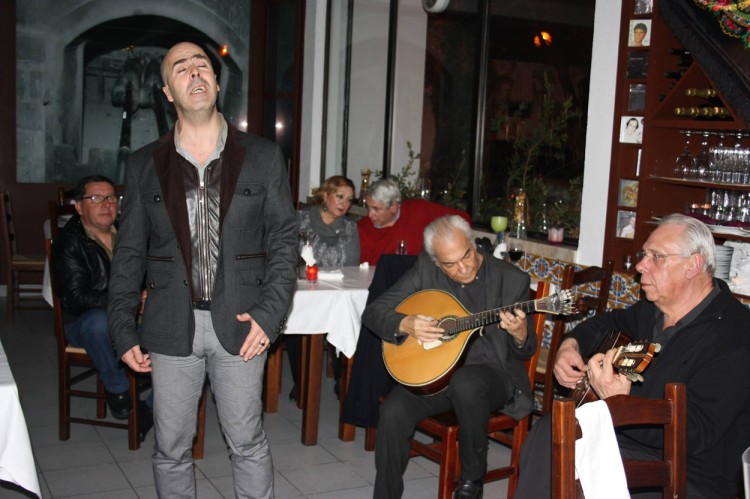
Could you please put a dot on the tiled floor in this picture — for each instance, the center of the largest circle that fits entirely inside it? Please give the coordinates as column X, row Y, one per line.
column 96, row 463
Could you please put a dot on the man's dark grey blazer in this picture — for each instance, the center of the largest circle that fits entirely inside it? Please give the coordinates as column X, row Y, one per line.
column 257, row 251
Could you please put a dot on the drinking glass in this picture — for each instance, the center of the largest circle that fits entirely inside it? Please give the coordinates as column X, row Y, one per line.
column 499, row 223
column 515, row 254
column 702, row 164
column 684, row 164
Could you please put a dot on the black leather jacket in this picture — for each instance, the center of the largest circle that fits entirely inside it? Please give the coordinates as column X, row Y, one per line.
column 203, row 214
column 80, row 269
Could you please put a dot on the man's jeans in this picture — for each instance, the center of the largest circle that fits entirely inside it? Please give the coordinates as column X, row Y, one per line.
column 91, row 331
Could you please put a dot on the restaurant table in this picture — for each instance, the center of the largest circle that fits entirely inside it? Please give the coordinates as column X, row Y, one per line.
column 16, row 459
column 328, row 309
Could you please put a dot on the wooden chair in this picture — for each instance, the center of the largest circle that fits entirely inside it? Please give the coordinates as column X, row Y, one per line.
column 501, row 428
column 602, row 277
column 626, row 410
column 16, row 265
column 68, row 386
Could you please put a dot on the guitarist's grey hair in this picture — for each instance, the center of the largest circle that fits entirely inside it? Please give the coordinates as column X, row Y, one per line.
column 697, row 239
column 442, row 228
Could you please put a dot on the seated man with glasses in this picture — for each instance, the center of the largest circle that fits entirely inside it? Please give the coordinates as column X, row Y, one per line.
column 81, row 256
column 702, row 330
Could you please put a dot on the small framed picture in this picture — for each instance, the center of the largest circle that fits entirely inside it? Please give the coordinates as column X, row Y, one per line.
column 639, row 34
column 636, row 97
column 637, row 67
column 631, row 129
column 628, row 195
column 643, row 7
column 626, row 224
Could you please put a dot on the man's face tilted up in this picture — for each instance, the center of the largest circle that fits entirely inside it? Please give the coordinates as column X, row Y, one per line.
column 189, row 79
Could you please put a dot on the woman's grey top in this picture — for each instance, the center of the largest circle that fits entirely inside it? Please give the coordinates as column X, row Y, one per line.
column 334, row 245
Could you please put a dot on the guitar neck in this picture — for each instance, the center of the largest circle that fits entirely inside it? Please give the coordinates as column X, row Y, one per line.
column 489, row 317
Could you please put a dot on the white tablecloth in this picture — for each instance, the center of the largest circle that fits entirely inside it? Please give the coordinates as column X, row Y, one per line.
column 333, row 307
column 16, row 458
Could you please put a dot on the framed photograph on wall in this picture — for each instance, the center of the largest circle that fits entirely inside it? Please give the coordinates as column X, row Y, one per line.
column 625, row 224
column 636, row 97
column 628, row 193
column 643, row 7
column 639, row 34
column 631, row 129
column 637, row 67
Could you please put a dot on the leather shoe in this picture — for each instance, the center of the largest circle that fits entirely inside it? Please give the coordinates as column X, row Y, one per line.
column 119, row 404
column 468, row 490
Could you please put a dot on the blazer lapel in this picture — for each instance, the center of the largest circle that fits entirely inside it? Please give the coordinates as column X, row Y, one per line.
column 231, row 165
column 173, row 189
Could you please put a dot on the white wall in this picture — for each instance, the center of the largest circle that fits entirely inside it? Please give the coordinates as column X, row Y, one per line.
column 599, row 131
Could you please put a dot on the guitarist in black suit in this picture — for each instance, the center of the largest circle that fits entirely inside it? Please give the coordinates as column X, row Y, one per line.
column 493, row 376
column 702, row 330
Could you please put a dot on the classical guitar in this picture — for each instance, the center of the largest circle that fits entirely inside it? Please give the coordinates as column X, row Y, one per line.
column 631, row 359
column 425, row 368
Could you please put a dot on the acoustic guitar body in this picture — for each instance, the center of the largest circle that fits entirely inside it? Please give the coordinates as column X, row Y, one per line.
column 426, row 371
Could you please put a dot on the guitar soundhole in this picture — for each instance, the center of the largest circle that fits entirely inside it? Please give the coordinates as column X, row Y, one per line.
column 449, row 324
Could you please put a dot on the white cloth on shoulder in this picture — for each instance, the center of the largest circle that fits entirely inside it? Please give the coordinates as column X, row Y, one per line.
column 598, row 461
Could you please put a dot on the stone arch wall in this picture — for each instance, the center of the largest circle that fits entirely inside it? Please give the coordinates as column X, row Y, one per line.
column 51, row 36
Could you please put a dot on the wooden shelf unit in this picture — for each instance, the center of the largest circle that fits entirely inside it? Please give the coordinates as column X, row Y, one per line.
column 652, row 161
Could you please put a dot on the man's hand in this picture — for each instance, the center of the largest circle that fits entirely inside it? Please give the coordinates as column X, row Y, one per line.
column 138, row 361
column 569, row 365
column 421, row 327
column 256, row 341
column 603, row 378
column 515, row 323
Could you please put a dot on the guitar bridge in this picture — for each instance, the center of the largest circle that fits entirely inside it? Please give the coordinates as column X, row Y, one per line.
column 431, row 344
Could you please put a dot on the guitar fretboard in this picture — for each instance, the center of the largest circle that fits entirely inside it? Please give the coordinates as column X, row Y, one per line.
column 488, row 317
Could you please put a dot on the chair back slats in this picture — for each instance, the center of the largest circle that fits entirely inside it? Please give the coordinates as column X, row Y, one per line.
column 571, row 278
column 669, row 412
column 8, row 230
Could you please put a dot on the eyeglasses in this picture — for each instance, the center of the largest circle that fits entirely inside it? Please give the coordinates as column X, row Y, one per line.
column 99, row 199
column 656, row 257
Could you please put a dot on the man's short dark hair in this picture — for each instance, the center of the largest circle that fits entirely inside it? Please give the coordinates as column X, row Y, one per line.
column 80, row 188
column 640, row 26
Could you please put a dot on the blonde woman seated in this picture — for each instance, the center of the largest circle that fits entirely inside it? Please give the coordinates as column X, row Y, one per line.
column 335, row 241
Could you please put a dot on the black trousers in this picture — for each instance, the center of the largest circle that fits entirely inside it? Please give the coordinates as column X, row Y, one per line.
column 473, row 393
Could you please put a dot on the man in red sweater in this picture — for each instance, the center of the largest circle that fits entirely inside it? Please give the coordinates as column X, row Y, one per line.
column 390, row 220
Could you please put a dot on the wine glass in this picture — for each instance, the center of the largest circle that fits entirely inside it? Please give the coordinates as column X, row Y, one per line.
column 684, row 164
column 702, row 163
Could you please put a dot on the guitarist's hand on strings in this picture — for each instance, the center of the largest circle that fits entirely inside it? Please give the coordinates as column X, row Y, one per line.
column 515, row 323
column 569, row 366
column 603, row 378
column 423, row 328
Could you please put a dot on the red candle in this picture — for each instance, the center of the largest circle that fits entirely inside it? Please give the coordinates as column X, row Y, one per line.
column 312, row 273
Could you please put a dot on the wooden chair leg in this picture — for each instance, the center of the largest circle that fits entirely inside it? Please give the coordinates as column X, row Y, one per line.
column 101, row 401
column 63, row 377
column 272, row 385
column 371, row 434
column 200, row 435
column 450, row 466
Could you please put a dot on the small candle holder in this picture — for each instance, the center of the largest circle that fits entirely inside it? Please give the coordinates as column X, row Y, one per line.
column 312, row 273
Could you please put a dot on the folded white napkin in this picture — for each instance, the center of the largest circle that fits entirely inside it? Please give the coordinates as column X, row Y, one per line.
column 307, row 254
column 330, row 275
column 598, row 461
